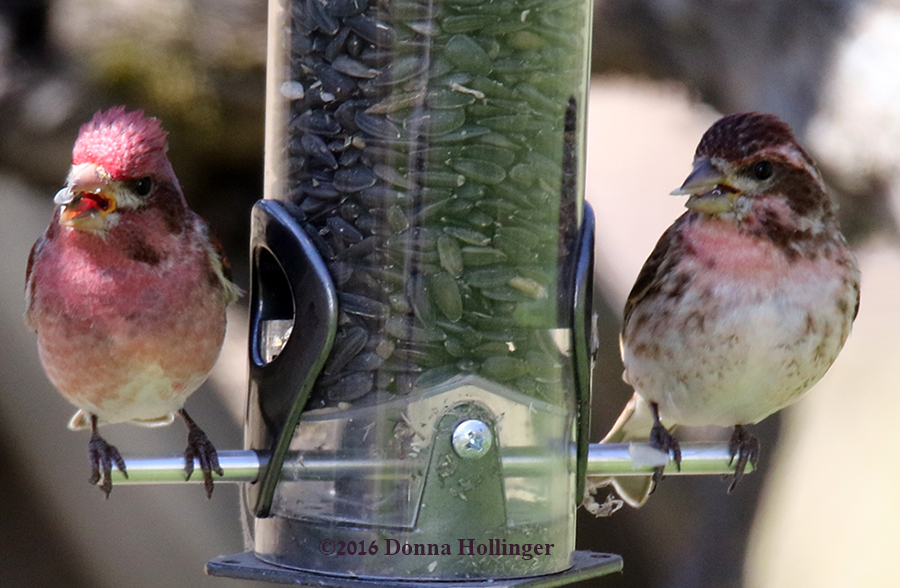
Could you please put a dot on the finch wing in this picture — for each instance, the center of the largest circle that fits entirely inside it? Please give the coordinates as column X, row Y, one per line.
column 656, row 268
column 29, row 282
column 218, row 262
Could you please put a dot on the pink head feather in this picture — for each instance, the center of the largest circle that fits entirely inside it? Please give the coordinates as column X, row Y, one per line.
column 127, row 145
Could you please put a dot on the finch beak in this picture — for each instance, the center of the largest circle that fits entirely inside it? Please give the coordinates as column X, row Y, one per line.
column 708, row 188
column 87, row 199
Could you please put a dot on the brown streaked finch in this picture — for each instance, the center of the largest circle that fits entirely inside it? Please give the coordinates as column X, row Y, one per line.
column 127, row 290
column 745, row 302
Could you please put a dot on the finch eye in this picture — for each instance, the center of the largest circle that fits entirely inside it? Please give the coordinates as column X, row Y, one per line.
column 142, row 186
column 762, row 170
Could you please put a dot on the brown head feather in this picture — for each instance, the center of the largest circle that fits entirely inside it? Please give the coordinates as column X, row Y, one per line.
column 737, row 136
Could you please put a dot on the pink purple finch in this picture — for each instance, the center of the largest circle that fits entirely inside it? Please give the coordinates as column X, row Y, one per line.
column 127, row 290
column 745, row 302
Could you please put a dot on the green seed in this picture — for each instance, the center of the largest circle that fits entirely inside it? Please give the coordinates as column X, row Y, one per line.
column 431, row 195
column 445, row 98
column 526, row 385
column 471, row 191
column 527, row 40
column 509, row 69
column 456, row 348
column 483, row 172
column 397, row 364
column 458, row 208
column 442, row 179
column 542, row 275
column 541, row 365
column 468, row 366
column 503, row 368
column 480, row 220
column 502, row 308
column 422, row 357
column 467, row 4
column 396, row 218
column 523, row 174
column 445, row 292
column 405, row 68
column 436, row 375
column 500, row 141
column 437, row 153
column 511, row 106
column 529, row 287
column 540, row 101
column 439, row 67
column 515, row 242
column 504, row 27
column 490, row 87
column 400, row 303
column 492, row 348
column 468, row 236
column 439, row 122
column 467, row 55
column 417, row 291
column 477, row 256
column 403, row 328
column 541, row 231
column 429, row 269
column 466, row 23
column 505, row 294
column 500, row 208
column 395, row 102
column 492, row 7
column 483, row 321
column 515, row 195
column 561, row 21
column 384, row 348
column 489, row 277
column 429, row 211
column 519, row 123
column 543, row 165
column 387, row 275
column 466, row 334
column 417, row 243
column 450, row 255
column 466, row 132
column 490, row 45
column 426, row 28
column 518, row 337
column 485, row 110
column 499, row 155
column 392, row 176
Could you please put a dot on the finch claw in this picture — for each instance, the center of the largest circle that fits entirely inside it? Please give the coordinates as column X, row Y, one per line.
column 201, row 448
column 662, row 439
column 746, row 448
column 103, row 457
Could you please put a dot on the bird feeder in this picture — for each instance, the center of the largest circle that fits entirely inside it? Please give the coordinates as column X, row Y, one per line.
column 420, row 301
column 421, row 271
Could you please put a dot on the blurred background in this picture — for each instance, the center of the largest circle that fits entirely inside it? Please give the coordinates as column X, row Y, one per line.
column 821, row 511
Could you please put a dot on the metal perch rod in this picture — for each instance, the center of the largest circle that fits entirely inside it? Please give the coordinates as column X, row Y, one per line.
column 614, row 459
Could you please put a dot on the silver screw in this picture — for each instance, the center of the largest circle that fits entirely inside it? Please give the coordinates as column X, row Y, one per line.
column 472, row 439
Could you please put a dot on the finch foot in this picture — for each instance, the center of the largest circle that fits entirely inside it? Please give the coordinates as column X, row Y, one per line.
column 662, row 439
column 103, row 457
column 201, row 447
column 746, row 447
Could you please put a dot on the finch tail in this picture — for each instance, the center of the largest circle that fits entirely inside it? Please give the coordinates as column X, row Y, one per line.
column 634, row 424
